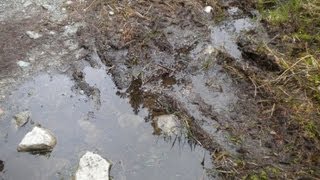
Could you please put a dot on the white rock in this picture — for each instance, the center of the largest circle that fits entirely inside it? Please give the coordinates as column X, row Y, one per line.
column 92, row 167
column 111, row 13
column 38, row 140
column 33, row 35
column 169, row 124
column 22, row 118
column 69, row 2
column 208, row 9
column 23, row 64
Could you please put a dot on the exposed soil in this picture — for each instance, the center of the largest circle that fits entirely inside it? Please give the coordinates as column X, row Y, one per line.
column 161, row 51
column 172, row 57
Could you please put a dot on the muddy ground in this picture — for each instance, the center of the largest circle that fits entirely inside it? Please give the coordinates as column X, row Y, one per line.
column 172, row 57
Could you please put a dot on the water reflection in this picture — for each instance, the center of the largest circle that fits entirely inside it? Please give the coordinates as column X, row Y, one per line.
column 114, row 131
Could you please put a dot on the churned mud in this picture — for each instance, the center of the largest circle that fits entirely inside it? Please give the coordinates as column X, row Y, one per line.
column 102, row 71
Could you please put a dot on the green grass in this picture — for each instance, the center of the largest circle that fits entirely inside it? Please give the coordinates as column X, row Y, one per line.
column 296, row 24
column 302, row 16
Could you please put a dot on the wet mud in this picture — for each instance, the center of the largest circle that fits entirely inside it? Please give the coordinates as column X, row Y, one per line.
column 112, row 67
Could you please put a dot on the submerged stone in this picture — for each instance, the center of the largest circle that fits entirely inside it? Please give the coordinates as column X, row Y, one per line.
column 37, row 140
column 22, row 118
column 169, row 124
column 92, row 166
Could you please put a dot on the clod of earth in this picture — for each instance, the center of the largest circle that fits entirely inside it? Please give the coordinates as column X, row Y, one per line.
column 92, row 166
column 38, row 140
column 22, row 118
column 168, row 124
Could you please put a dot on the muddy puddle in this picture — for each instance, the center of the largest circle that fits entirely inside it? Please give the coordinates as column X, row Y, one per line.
column 110, row 128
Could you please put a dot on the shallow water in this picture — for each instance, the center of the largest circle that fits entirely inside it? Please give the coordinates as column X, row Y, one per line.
column 112, row 129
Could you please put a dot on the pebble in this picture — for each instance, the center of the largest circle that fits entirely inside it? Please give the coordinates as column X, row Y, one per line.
column 208, row 9
column 33, row 35
column 23, row 64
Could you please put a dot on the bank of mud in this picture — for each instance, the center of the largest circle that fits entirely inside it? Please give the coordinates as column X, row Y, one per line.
column 173, row 57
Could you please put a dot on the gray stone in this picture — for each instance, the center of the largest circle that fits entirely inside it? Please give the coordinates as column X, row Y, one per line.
column 169, row 124
column 22, row 118
column 33, row 35
column 92, row 167
column 37, row 140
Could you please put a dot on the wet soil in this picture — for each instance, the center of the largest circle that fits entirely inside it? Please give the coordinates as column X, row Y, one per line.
column 112, row 66
column 209, row 60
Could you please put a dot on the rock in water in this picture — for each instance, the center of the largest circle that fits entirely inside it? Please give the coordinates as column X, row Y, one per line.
column 22, row 118
column 169, row 124
column 93, row 167
column 38, row 140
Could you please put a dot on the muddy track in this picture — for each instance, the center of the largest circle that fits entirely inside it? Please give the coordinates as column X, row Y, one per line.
column 199, row 68
column 164, row 57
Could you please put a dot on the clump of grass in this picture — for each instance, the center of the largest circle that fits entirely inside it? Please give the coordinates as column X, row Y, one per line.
column 297, row 25
column 301, row 16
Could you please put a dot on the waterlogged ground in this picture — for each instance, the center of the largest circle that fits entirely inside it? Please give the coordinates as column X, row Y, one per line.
column 112, row 129
column 99, row 72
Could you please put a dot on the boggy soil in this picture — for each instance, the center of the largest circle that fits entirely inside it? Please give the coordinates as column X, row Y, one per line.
column 161, row 56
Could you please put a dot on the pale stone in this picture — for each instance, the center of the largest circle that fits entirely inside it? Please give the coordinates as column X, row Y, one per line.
column 22, row 118
column 38, row 140
column 169, row 124
column 92, row 167
column 208, row 9
column 23, row 64
column 33, row 35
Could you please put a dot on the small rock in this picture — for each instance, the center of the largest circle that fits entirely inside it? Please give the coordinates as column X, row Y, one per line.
column 33, row 35
column 111, row 13
column 92, row 166
column 22, row 118
column 38, row 140
column 23, row 64
column 169, row 124
column 273, row 133
column 208, row 9
column 69, row 2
